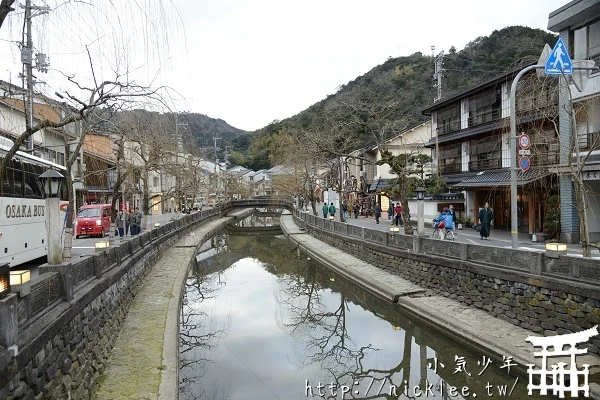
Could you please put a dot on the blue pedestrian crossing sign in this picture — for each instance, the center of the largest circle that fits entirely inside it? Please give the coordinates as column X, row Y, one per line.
column 558, row 61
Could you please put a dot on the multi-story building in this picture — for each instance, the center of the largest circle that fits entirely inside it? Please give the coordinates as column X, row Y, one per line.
column 578, row 24
column 471, row 147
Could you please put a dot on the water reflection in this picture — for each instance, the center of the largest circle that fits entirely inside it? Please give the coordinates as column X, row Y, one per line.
column 259, row 219
column 284, row 328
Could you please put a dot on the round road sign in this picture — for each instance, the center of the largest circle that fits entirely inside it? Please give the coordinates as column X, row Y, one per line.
column 524, row 163
column 524, row 141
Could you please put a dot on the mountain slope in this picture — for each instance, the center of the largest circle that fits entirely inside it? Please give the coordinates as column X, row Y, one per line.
column 408, row 81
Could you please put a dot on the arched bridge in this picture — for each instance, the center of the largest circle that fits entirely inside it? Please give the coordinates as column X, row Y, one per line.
column 259, row 202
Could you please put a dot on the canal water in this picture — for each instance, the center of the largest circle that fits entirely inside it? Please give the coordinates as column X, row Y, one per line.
column 260, row 320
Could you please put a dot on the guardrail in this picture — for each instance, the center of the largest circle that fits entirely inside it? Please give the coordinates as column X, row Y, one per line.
column 536, row 263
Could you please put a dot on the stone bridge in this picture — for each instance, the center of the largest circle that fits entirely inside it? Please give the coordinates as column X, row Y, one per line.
column 269, row 202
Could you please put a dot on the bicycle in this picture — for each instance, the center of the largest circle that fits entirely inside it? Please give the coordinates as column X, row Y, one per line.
column 449, row 234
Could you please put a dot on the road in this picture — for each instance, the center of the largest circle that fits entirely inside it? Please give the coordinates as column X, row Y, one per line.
column 85, row 246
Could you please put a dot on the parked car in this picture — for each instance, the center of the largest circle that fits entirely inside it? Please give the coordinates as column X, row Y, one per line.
column 93, row 220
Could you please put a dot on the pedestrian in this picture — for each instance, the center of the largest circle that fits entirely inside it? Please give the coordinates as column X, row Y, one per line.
column 356, row 211
column 332, row 210
column 377, row 212
column 138, row 221
column 350, row 209
column 132, row 219
column 486, row 216
column 325, row 209
column 390, row 212
column 120, row 220
column 345, row 210
column 453, row 213
column 398, row 214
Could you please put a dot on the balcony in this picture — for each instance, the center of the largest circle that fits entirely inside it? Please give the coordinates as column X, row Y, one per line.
column 448, row 127
column 484, row 117
column 450, row 168
column 485, row 164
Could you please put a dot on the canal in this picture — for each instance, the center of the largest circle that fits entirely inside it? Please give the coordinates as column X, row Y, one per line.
column 259, row 320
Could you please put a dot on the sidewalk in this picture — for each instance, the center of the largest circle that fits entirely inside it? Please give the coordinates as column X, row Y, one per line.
column 498, row 237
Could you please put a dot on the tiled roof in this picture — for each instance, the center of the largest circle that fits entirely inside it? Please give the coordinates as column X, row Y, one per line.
column 502, row 178
column 379, row 185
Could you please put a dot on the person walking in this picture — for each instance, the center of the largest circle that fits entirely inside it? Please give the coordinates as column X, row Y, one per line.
column 120, row 220
column 325, row 209
column 377, row 212
column 398, row 214
column 485, row 217
column 390, row 212
column 332, row 210
column 356, row 210
column 350, row 209
column 453, row 213
column 138, row 221
column 131, row 219
column 345, row 210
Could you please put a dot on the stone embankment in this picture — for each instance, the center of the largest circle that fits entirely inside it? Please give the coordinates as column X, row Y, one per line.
column 436, row 304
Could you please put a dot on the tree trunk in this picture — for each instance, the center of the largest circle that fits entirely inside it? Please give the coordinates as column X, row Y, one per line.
column 408, row 229
column 68, row 241
column 582, row 214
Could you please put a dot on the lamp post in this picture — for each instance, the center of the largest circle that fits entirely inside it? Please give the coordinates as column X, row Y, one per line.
column 52, row 181
column 420, row 210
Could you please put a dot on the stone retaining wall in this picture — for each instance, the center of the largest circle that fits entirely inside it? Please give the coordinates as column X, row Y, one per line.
column 540, row 302
column 64, row 347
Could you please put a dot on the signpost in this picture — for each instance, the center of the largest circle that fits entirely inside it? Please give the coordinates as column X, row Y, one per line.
column 559, row 62
column 524, row 141
column 524, row 163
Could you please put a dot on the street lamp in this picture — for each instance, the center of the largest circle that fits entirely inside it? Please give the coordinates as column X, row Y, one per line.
column 52, row 181
column 420, row 210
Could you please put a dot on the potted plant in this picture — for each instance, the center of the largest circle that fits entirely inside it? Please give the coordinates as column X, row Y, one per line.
column 551, row 224
column 468, row 222
column 459, row 223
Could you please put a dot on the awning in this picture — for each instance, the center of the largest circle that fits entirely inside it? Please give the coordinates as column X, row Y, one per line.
column 502, row 178
column 379, row 185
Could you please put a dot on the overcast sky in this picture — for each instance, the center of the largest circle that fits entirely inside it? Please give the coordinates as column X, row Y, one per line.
column 250, row 62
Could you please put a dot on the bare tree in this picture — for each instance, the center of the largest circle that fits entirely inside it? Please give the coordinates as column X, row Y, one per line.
column 349, row 126
column 5, row 9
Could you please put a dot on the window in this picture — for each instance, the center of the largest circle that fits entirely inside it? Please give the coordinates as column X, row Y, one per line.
column 448, row 119
column 33, row 186
column 89, row 213
column 155, row 181
column 485, row 153
column 485, row 107
column 12, row 183
column 450, row 158
column 586, row 42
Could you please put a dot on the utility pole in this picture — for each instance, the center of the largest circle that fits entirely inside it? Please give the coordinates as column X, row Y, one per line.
column 178, row 178
column 225, row 172
column 27, row 60
column 216, row 171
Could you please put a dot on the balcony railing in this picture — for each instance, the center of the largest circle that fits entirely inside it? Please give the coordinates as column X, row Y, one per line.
column 448, row 127
column 484, row 117
column 449, row 168
column 482, row 165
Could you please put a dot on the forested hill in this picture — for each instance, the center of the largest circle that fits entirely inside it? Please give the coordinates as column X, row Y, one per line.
column 201, row 129
column 409, row 81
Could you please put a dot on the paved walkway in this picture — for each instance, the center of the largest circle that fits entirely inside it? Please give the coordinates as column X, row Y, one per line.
column 498, row 237
column 145, row 356
column 476, row 325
